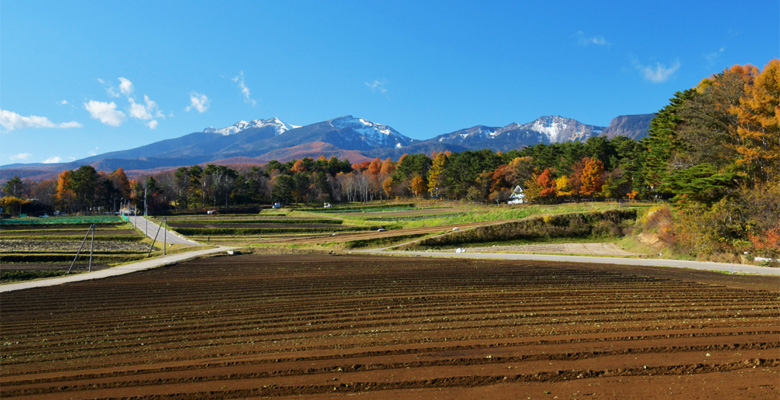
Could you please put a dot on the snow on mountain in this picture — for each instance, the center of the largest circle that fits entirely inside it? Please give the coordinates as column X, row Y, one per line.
column 479, row 132
column 372, row 133
column 558, row 129
column 277, row 124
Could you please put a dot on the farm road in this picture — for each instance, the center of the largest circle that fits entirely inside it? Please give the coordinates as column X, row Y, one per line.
column 109, row 272
column 150, row 229
column 709, row 266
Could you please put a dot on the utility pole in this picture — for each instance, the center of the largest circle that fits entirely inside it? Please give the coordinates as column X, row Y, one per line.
column 146, row 224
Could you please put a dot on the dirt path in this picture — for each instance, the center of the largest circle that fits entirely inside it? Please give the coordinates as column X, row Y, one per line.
column 596, row 249
column 151, row 229
column 701, row 265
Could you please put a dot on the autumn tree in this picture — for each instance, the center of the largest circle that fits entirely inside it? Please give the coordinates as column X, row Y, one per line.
column 12, row 204
column 592, row 177
column 435, row 178
column 419, row 188
column 547, row 183
column 388, row 166
column 64, row 196
column 119, row 179
column 520, row 169
column 299, row 167
column 387, row 186
column 563, row 187
column 758, row 132
column 375, row 167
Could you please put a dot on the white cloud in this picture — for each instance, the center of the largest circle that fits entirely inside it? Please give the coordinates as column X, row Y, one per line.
column 105, row 112
column 109, row 89
column 244, row 89
column 152, row 124
column 712, row 57
column 11, row 121
column 63, row 102
column 659, row 73
column 125, row 86
column 20, row 156
column 145, row 111
column 584, row 40
column 377, row 86
column 199, row 102
column 52, row 160
column 108, row 114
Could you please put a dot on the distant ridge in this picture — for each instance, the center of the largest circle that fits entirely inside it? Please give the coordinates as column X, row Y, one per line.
column 354, row 138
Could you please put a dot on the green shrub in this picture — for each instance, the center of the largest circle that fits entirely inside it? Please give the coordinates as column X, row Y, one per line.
column 15, row 276
column 611, row 223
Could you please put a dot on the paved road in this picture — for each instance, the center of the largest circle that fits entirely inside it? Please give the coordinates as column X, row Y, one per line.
column 116, row 271
column 150, row 228
column 709, row 266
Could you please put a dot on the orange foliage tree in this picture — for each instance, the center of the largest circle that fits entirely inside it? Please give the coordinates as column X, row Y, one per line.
column 298, row 167
column 419, row 188
column 375, row 167
column 64, row 196
column 388, row 166
column 592, row 177
column 547, row 183
column 387, row 186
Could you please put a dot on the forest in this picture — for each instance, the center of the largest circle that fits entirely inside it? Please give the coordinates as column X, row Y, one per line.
column 711, row 160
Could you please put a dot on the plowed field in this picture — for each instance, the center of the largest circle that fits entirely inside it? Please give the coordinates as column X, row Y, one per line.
column 387, row 328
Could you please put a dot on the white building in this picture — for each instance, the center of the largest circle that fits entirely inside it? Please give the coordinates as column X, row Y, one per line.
column 517, row 197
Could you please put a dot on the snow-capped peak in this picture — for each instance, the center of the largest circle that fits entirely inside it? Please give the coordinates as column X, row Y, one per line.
column 557, row 129
column 277, row 124
column 372, row 133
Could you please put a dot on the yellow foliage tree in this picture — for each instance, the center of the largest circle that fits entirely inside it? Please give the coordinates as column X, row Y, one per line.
column 563, row 185
column 759, row 124
column 434, row 174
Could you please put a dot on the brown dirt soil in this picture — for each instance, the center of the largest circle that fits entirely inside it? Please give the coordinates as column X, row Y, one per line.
column 318, row 326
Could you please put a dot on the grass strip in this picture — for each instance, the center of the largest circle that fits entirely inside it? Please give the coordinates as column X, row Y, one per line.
column 259, row 231
column 258, row 221
column 16, row 276
column 380, row 242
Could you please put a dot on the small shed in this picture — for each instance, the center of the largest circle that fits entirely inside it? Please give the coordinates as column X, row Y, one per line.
column 517, row 196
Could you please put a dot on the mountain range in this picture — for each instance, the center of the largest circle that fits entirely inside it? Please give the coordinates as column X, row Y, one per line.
column 357, row 139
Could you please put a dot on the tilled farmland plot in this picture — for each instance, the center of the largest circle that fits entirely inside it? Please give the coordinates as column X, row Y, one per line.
column 327, row 326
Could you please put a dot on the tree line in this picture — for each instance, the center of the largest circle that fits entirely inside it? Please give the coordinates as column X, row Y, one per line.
column 713, row 152
column 548, row 173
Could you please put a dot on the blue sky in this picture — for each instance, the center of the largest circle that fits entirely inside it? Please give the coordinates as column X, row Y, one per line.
column 79, row 78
